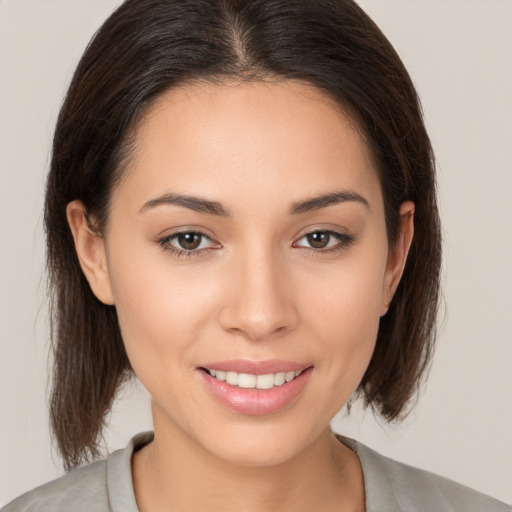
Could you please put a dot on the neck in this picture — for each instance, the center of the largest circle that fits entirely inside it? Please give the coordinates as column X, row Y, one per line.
column 175, row 473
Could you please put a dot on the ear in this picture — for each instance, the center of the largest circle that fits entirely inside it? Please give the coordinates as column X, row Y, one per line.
column 397, row 255
column 90, row 249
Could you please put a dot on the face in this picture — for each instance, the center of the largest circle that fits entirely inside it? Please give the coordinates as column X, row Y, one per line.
column 247, row 258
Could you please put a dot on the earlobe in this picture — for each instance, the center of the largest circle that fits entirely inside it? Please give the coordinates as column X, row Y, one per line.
column 397, row 256
column 90, row 249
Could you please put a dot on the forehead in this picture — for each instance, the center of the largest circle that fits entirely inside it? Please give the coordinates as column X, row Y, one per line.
column 229, row 141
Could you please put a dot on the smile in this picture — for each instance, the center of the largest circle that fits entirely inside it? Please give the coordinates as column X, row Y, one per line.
column 252, row 381
column 256, row 388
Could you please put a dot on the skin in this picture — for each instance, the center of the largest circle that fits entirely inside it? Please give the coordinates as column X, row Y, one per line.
column 256, row 290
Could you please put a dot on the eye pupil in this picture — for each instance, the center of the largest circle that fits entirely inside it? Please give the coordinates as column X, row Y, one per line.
column 189, row 241
column 318, row 239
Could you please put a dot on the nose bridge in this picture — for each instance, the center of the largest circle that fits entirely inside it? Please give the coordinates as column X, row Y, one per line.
column 259, row 304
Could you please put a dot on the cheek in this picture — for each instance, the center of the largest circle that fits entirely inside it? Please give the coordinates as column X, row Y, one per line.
column 161, row 310
column 348, row 294
column 349, row 329
column 344, row 314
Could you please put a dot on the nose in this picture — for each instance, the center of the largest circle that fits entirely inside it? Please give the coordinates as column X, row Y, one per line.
column 259, row 300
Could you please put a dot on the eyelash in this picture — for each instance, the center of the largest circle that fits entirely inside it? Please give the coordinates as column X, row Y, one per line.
column 183, row 253
column 344, row 241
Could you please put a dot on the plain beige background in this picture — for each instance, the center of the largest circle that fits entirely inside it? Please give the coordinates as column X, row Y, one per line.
column 459, row 53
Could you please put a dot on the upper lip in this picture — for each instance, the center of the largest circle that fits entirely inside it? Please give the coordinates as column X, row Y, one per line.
column 256, row 367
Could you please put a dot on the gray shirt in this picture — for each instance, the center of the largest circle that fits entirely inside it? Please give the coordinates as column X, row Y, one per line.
column 390, row 486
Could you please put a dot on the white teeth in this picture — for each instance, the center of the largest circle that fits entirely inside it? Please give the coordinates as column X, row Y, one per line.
column 246, row 380
column 232, row 378
column 250, row 381
column 265, row 381
column 280, row 378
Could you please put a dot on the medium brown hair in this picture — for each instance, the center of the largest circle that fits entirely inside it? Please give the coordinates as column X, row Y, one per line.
column 150, row 46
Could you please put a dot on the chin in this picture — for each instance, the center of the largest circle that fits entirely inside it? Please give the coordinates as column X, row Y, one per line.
column 260, row 446
column 257, row 455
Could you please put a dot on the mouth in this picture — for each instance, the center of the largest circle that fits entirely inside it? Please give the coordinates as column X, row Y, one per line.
column 253, row 381
column 257, row 388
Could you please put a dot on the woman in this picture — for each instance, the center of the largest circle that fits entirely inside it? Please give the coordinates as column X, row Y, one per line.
column 238, row 214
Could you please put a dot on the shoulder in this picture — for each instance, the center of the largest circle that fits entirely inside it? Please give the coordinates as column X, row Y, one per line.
column 413, row 487
column 103, row 486
column 406, row 488
column 82, row 489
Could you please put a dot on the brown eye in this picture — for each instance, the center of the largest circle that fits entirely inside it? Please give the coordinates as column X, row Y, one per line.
column 324, row 241
column 319, row 239
column 189, row 241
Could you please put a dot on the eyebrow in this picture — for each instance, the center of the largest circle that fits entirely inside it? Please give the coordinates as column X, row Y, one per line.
column 316, row 203
column 198, row 204
column 209, row 207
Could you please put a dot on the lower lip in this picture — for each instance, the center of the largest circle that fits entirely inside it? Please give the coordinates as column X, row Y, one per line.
column 256, row 401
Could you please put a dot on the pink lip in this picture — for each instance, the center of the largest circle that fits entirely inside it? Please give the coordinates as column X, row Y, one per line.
column 255, row 401
column 256, row 367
